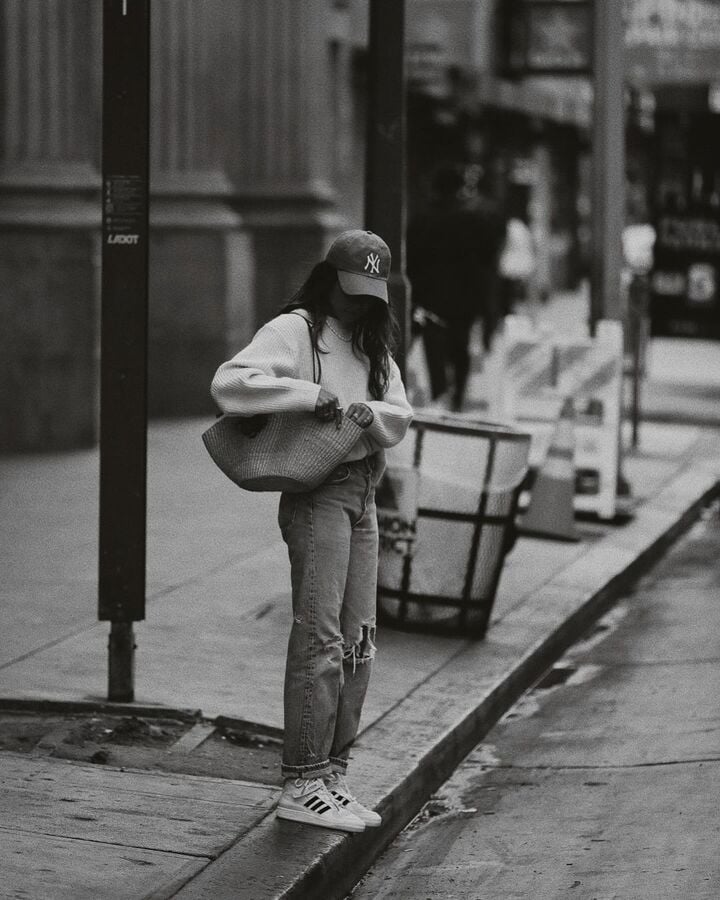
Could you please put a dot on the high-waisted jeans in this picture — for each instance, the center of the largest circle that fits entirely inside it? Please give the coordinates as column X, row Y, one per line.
column 332, row 539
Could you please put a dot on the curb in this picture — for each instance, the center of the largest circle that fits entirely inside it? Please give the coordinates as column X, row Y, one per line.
column 440, row 721
column 31, row 705
column 96, row 707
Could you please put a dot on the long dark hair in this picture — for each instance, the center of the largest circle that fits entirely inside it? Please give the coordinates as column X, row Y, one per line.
column 375, row 334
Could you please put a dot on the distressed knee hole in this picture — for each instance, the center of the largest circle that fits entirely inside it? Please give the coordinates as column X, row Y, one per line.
column 363, row 649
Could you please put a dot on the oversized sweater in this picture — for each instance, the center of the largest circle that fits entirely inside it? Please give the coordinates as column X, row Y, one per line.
column 274, row 373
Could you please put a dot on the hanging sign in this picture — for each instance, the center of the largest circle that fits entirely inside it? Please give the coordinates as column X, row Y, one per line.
column 549, row 37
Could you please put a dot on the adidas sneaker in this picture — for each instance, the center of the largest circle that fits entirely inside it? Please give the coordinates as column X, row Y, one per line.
column 310, row 802
column 340, row 792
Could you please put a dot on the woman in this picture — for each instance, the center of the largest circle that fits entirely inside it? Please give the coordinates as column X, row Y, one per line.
column 331, row 532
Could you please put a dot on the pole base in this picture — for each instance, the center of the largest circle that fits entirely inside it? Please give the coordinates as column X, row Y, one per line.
column 121, row 663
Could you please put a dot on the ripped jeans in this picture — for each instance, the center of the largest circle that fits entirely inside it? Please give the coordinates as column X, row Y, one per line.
column 332, row 539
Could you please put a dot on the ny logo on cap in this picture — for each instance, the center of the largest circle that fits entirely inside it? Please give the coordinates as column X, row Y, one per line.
column 373, row 264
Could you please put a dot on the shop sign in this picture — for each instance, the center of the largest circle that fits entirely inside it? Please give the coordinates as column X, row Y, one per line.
column 714, row 97
column 672, row 40
column 549, row 37
column 669, row 284
column 672, row 23
column 702, row 283
column 441, row 35
column 693, row 234
column 425, row 65
column 685, row 277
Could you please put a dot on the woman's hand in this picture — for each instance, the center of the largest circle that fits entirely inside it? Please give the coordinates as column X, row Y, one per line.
column 360, row 413
column 327, row 406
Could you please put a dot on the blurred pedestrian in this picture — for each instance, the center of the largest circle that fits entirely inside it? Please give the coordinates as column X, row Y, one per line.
column 518, row 258
column 331, row 532
column 452, row 262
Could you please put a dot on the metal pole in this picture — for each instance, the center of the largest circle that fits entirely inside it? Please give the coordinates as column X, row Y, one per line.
column 638, row 294
column 123, row 382
column 385, row 166
column 121, row 662
column 608, row 196
column 636, row 375
column 608, row 199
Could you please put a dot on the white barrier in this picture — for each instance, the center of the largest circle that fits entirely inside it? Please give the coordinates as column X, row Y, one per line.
column 446, row 509
column 591, row 373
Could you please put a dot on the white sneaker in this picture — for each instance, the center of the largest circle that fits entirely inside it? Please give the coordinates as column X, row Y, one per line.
column 341, row 793
column 309, row 801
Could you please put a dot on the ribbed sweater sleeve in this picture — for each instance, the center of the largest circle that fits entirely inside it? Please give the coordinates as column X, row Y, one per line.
column 391, row 416
column 263, row 377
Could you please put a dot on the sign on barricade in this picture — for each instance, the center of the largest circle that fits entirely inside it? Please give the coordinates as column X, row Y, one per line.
column 397, row 504
column 591, row 372
column 540, row 369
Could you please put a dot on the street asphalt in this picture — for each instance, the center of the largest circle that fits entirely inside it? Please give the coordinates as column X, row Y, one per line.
column 214, row 641
column 603, row 780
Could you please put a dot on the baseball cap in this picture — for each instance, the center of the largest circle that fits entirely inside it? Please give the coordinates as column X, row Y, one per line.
column 362, row 260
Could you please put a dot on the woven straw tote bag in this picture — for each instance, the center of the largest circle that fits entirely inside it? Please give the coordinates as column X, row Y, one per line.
column 291, row 451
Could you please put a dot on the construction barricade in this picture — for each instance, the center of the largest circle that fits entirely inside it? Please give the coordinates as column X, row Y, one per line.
column 540, row 371
column 591, row 372
column 446, row 511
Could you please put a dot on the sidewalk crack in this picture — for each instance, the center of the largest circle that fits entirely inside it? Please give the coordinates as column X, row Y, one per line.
column 210, row 857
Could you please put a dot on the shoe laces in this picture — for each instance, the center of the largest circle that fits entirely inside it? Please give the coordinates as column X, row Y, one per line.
column 308, row 786
column 339, row 783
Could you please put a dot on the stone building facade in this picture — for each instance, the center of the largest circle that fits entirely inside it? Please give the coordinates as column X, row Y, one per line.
column 254, row 167
column 257, row 161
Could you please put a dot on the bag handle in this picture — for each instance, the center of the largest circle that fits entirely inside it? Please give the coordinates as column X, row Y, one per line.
column 317, row 364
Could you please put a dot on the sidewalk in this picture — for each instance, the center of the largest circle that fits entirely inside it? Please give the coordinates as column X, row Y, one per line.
column 214, row 640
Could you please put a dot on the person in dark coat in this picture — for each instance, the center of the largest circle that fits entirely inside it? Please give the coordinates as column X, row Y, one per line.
column 453, row 247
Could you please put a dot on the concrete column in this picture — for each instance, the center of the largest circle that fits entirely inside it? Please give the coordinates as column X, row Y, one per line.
column 201, row 265
column 281, row 161
column 49, row 221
